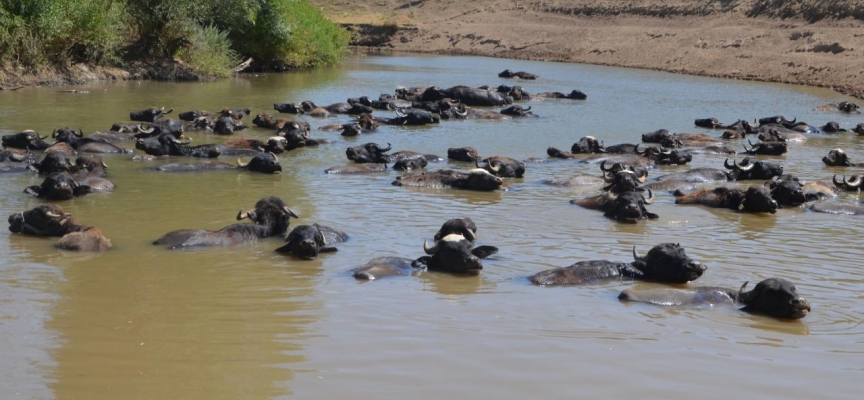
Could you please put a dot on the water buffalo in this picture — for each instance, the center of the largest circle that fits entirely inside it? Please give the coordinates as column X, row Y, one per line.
column 410, row 164
column 843, row 106
column 228, row 125
column 556, row 153
column 517, row 111
column 832, row 127
column 58, row 186
column 50, row 220
column 666, row 263
column 306, row 241
column 663, row 156
column 467, row 95
column 475, row 179
column 504, row 167
column 167, row 145
column 750, row 168
column 85, row 144
column 266, row 163
column 28, row 139
column 788, row 190
column 587, row 145
column 757, row 198
column 838, row 158
column 710, row 123
column 265, row 120
column 859, row 129
column 519, row 74
column 369, row 153
column 628, row 206
column 774, row 297
column 767, row 148
column 410, row 118
column 164, row 125
column 270, row 218
column 468, row 154
column 573, row 95
column 54, row 161
column 151, row 114
column 453, row 253
column 779, row 134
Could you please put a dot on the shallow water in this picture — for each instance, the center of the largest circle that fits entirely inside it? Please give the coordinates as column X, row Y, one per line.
column 142, row 322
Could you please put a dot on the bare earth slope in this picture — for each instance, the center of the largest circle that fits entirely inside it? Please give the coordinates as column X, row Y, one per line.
column 791, row 41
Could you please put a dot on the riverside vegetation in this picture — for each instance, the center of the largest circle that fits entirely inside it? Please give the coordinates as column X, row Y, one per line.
column 43, row 40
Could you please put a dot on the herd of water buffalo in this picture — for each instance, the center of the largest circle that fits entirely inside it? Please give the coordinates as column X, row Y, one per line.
column 626, row 191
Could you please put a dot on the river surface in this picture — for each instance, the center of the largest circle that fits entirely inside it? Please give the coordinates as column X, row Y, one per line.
column 143, row 322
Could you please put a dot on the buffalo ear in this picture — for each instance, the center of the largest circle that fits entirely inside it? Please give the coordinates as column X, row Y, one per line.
column 482, row 252
column 81, row 190
column 327, row 249
column 284, row 249
column 651, row 215
column 33, row 190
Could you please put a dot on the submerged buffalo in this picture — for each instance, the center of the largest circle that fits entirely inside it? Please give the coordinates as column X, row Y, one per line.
column 453, row 253
column 58, row 186
column 666, row 263
column 756, row 198
column 751, row 168
column 270, row 218
column 504, row 167
column 306, row 241
column 50, row 220
column 151, row 114
column 468, row 154
column 519, row 74
column 775, row 297
column 80, row 143
column 475, row 179
column 573, row 95
column 839, row 158
column 26, row 140
column 626, row 207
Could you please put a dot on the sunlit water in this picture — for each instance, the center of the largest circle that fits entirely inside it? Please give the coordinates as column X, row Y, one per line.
column 142, row 322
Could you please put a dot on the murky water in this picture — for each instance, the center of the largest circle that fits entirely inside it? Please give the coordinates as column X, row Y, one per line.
column 142, row 322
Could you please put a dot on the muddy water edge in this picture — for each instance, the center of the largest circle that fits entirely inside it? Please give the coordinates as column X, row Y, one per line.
column 140, row 321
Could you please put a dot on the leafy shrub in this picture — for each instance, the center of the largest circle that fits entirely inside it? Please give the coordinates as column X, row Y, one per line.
column 209, row 52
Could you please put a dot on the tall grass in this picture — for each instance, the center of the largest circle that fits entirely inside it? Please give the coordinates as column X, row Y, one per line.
column 208, row 35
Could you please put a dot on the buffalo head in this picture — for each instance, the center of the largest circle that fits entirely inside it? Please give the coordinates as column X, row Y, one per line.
column 750, row 168
column 26, row 140
column 667, row 263
column 452, row 254
column 587, row 145
column 44, row 220
column 369, row 153
column 775, row 297
column 267, row 163
column 149, row 115
column 58, row 186
column 837, row 158
column 628, row 206
column 463, row 154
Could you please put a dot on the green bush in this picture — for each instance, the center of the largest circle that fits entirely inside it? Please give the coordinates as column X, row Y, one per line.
column 209, row 52
column 208, row 35
column 38, row 32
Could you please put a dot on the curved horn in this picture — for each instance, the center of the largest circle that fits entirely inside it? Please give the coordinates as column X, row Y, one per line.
column 290, row 212
column 462, row 113
column 429, row 250
column 527, row 108
column 641, row 153
column 745, row 167
column 728, row 166
column 854, row 181
column 751, row 149
column 244, row 214
column 53, row 134
column 52, row 215
column 170, row 110
column 80, row 133
column 240, row 163
column 840, row 183
column 389, row 146
column 470, row 235
column 400, row 112
column 147, row 131
column 650, row 199
column 493, row 166
column 603, row 166
column 745, row 297
column 636, row 255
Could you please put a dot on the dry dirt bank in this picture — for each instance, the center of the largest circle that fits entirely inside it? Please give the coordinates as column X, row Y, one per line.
column 790, row 41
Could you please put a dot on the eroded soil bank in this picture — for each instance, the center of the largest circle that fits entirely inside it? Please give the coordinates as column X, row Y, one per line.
column 797, row 42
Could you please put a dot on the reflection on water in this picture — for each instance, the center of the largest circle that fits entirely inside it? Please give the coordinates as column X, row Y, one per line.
column 143, row 322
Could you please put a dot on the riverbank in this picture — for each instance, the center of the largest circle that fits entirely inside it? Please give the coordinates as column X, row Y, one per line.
column 761, row 40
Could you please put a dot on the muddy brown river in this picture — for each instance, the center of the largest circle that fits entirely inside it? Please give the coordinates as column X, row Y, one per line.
column 143, row 322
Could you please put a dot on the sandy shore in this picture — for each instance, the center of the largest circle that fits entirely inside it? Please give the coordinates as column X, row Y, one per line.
column 733, row 39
